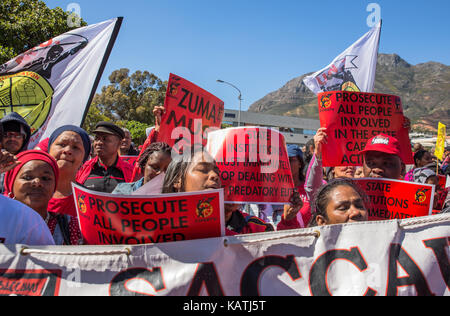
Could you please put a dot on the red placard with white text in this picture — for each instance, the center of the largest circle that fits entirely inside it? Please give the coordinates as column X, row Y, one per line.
column 107, row 219
column 394, row 199
column 254, row 165
column 352, row 118
column 190, row 110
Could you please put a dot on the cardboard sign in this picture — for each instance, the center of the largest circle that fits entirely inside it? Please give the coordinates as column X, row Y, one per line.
column 107, row 219
column 130, row 159
column 190, row 110
column 394, row 199
column 254, row 165
column 352, row 118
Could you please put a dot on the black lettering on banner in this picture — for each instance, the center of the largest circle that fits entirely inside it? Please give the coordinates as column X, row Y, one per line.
column 30, row 282
column 415, row 276
column 252, row 274
column 439, row 247
column 118, row 285
column 318, row 274
column 206, row 274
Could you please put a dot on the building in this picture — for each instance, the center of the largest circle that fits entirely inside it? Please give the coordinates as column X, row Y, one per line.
column 295, row 130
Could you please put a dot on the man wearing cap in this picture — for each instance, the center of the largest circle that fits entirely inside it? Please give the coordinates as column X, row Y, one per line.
column 16, row 133
column 382, row 158
column 106, row 171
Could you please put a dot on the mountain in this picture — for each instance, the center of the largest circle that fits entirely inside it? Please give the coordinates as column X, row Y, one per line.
column 424, row 89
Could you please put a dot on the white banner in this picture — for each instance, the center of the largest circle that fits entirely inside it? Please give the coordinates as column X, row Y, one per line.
column 52, row 85
column 353, row 70
column 408, row 257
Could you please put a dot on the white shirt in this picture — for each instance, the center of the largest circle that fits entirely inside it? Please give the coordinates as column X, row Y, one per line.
column 19, row 224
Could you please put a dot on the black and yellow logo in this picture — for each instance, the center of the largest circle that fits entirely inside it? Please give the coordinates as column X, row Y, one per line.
column 28, row 94
column 82, row 205
column 204, row 208
column 421, row 195
column 325, row 101
column 350, row 86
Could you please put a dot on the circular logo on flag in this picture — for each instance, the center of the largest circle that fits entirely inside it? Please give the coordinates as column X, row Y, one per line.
column 28, row 94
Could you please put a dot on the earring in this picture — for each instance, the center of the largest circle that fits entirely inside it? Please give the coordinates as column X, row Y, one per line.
column 11, row 196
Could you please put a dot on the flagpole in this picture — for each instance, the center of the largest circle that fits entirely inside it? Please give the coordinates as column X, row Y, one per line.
column 102, row 66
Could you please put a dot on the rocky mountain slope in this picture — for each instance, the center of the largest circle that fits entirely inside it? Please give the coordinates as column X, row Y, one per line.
column 424, row 89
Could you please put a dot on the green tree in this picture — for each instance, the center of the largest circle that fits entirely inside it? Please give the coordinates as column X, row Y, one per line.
column 25, row 24
column 129, row 98
column 137, row 130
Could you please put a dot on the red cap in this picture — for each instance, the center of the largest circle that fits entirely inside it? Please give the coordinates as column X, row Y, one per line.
column 383, row 143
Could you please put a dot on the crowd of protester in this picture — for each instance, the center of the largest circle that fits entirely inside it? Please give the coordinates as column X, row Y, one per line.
column 37, row 205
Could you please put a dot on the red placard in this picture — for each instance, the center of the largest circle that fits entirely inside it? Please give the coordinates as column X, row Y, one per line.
column 352, row 118
column 254, row 165
column 191, row 108
column 442, row 181
column 394, row 199
column 107, row 219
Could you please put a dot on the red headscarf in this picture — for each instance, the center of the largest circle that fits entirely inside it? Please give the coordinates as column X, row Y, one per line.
column 25, row 157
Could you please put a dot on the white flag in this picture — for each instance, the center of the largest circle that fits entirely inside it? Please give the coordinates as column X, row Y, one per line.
column 53, row 84
column 353, row 70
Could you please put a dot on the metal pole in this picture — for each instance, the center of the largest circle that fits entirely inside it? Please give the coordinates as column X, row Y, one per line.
column 240, row 99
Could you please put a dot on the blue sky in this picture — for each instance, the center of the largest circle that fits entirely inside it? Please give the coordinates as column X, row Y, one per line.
column 259, row 45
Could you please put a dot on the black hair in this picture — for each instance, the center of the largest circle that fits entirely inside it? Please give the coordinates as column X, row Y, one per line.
column 419, row 155
column 150, row 150
column 322, row 197
column 1, row 135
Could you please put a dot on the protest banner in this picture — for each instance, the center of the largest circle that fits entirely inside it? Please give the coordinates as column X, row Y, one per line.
column 394, row 199
column 352, row 118
column 385, row 258
column 254, row 165
column 440, row 143
column 53, row 84
column 107, row 219
column 190, row 111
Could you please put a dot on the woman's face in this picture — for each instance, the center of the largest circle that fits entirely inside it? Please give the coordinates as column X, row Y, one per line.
column 426, row 160
column 157, row 163
column 202, row 174
column 344, row 172
column 68, row 150
column 35, row 185
column 296, row 166
column 345, row 205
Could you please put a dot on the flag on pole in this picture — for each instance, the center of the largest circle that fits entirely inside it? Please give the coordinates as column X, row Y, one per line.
column 353, row 70
column 53, row 84
column 440, row 143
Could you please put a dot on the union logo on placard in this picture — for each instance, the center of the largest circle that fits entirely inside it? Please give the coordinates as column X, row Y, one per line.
column 204, row 208
column 325, row 101
column 82, row 205
column 28, row 94
column 421, row 196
